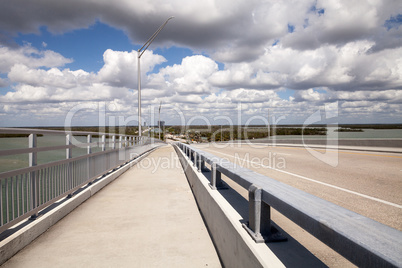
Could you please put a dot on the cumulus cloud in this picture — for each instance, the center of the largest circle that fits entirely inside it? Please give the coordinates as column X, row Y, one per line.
column 120, row 67
column 29, row 56
column 190, row 77
column 53, row 77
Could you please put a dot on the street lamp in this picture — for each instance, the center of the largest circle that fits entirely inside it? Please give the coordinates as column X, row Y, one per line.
column 140, row 52
column 159, row 122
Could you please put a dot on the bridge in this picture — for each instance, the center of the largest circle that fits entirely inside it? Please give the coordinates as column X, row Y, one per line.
column 134, row 201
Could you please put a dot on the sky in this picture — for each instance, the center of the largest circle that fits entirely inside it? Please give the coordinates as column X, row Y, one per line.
column 217, row 62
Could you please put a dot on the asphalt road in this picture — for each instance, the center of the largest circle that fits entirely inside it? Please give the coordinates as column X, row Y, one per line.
column 367, row 182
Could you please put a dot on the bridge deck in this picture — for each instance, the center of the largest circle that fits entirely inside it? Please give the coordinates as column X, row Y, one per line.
column 145, row 218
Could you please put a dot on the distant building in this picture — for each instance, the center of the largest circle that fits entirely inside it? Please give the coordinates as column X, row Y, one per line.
column 162, row 123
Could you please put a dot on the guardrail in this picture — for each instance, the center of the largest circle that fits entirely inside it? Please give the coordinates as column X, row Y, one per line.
column 361, row 240
column 27, row 190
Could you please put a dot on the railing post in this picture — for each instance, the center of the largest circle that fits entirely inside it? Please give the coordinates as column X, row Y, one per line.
column 34, row 184
column 122, row 154
column 259, row 226
column 113, row 142
column 256, row 214
column 216, row 178
column 89, row 146
column 199, row 163
column 103, row 142
column 69, row 154
column 89, row 151
column 195, row 159
column 113, row 146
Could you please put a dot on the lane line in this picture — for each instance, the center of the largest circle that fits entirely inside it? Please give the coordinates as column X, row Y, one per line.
column 319, row 182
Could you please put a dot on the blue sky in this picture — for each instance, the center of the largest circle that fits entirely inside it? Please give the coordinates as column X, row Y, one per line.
column 211, row 59
column 86, row 46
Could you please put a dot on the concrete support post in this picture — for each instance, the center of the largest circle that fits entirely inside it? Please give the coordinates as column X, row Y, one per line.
column 259, row 215
column 199, row 163
column 214, row 176
column 216, row 179
column 259, row 212
column 195, row 159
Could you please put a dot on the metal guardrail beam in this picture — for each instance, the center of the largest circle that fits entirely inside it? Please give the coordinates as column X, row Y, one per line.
column 361, row 240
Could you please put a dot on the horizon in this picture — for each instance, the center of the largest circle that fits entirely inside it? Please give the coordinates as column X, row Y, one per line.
column 321, row 125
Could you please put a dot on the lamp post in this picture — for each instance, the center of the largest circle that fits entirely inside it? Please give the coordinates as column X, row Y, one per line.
column 140, row 52
column 268, row 126
column 159, row 122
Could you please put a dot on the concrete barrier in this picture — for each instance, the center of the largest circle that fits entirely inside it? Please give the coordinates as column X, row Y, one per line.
column 235, row 247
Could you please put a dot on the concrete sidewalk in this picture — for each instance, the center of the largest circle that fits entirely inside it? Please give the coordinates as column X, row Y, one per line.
column 145, row 218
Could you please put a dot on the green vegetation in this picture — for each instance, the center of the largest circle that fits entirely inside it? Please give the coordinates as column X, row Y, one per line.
column 349, row 130
column 216, row 133
column 17, row 135
column 371, row 126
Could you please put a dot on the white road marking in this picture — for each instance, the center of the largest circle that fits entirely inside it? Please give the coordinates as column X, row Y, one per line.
column 320, row 182
column 282, row 154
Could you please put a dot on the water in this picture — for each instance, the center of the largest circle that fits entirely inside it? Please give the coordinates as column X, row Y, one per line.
column 366, row 134
column 12, row 162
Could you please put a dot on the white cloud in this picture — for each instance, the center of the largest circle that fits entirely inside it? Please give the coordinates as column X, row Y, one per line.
column 120, row 67
column 29, row 56
column 52, row 78
column 190, row 77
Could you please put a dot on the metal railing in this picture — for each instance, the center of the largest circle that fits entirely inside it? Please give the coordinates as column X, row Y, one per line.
column 361, row 240
column 27, row 190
